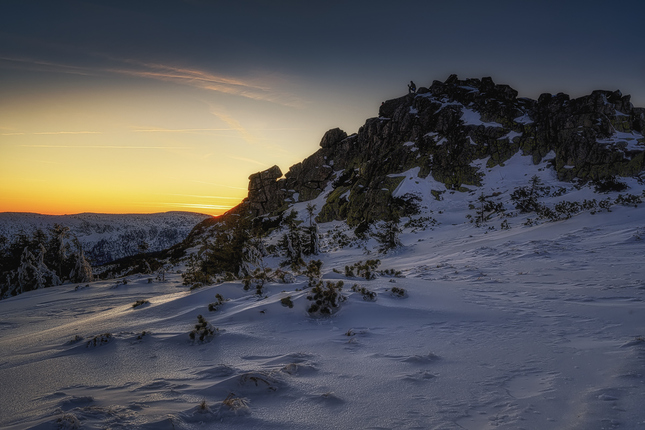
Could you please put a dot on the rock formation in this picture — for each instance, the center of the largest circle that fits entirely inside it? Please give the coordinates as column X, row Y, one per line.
column 442, row 130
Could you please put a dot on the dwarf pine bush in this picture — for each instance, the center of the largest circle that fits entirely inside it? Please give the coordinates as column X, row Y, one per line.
column 398, row 292
column 313, row 272
column 326, row 298
column 139, row 303
column 98, row 340
column 215, row 305
column 203, row 330
column 365, row 270
column 368, row 296
column 287, row 302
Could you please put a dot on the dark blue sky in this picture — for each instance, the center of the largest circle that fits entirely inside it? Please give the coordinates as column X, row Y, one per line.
column 243, row 85
column 536, row 46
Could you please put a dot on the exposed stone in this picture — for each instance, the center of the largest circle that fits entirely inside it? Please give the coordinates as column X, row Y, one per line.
column 265, row 191
column 442, row 130
column 332, row 137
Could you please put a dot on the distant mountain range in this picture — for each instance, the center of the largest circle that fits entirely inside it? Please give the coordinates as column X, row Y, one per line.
column 109, row 237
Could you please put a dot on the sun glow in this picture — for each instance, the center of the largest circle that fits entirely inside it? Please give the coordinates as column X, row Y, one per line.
column 151, row 138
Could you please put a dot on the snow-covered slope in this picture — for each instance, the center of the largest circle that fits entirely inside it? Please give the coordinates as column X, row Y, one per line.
column 528, row 325
column 107, row 237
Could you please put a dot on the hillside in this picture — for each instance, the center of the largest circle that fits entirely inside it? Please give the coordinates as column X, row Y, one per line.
column 453, row 141
column 442, row 130
column 536, row 326
column 466, row 260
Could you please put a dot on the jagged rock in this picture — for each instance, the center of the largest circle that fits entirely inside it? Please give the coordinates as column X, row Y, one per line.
column 442, row 130
column 332, row 137
column 265, row 191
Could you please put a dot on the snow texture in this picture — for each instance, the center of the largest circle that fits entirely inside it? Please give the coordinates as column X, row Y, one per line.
column 534, row 327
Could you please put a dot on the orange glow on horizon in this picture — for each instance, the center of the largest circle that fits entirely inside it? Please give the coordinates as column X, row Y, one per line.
column 144, row 145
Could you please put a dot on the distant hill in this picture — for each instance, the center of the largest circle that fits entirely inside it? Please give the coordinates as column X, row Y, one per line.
column 108, row 237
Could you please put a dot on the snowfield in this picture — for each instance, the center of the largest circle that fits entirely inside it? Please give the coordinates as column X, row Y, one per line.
column 536, row 326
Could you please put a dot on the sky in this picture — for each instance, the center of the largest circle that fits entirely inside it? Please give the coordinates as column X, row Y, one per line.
column 153, row 106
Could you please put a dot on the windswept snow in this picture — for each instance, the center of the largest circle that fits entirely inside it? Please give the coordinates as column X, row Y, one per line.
column 470, row 117
column 632, row 141
column 532, row 327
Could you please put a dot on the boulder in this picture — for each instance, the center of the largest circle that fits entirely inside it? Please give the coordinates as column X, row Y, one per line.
column 332, row 137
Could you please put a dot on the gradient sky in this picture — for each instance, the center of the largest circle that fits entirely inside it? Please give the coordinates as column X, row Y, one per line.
column 149, row 106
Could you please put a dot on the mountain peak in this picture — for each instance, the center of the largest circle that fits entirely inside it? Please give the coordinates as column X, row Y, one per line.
column 442, row 130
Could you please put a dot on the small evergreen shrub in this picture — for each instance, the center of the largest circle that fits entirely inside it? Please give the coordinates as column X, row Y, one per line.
column 368, row 296
column 628, row 200
column 609, row 184
column 257, row 280
column 313, row 272
column 139, row 303
column 287, row 302
column 365, row 270
column 566, row 210
column 420, row 224
column 388, row 236
column 398, row 292
column 215, row 305
column 391, row 272
column 203, row 330
column 99, row 340
column 327, row 298
column 485, row 209
column 75, row 339
column 283, row 276
column 526, row 198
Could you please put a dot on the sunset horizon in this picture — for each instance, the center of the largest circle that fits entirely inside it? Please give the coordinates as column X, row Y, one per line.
column 153, row 107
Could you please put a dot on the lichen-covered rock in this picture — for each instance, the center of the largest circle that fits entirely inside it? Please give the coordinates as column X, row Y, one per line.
column 332, row 137
column 442, row 129
column 266, row 193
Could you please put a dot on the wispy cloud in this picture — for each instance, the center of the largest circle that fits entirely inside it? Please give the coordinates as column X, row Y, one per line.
column 102, row 147
column 235, row 125
column 204, row 197
column 69, row 132
column 218, row 185
column 198, row 206
column 21, row 133
column 251, row 88
column 40, row 65
column 179, row 130
column 248, row 160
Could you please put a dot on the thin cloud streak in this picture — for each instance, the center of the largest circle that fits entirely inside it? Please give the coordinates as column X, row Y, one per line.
column 180, row 130
column 218, row 185
column 102, row 147
column 69, row 132
column 50, row 133
column 204, row 197
column 248, row 160
column 198, row 206
column 184, row 76
column 234, row 124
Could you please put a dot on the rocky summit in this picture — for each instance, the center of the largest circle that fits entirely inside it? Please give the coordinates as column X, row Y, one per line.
column 442, row 130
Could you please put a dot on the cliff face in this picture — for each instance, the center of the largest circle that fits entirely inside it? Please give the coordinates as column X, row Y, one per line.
column 442, row 130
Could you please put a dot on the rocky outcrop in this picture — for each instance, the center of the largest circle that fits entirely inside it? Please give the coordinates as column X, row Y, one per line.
column 266, row 194
column 442, row 129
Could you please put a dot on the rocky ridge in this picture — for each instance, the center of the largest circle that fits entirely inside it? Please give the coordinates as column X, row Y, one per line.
column 442, row 130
